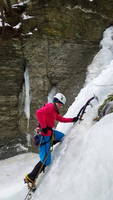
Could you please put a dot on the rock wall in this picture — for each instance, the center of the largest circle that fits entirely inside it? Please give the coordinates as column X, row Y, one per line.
column 11, row 80
column 55, row 41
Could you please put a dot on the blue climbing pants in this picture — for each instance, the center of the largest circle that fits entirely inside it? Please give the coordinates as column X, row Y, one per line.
column 45, row 153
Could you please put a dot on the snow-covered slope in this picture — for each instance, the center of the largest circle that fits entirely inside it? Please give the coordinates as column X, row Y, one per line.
column 12, row 171
column 84, row 170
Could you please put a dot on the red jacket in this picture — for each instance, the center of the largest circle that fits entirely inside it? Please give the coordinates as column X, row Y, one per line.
column 47, row 115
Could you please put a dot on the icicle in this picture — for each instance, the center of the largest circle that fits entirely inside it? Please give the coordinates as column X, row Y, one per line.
column 28, row 136
column 27, row 96
column 51, row 94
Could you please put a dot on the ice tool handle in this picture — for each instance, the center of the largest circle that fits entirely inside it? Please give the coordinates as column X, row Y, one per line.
column 83, row 109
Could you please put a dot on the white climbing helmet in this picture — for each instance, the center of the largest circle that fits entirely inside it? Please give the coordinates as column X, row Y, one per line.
column 59, row 97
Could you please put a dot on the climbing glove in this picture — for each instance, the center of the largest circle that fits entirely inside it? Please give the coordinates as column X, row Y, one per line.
column 75, row 119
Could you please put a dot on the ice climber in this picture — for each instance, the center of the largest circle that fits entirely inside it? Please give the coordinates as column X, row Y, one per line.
column 46, row 117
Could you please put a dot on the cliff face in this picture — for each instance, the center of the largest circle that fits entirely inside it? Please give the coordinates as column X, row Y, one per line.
column 55, row 41
column 11, row 80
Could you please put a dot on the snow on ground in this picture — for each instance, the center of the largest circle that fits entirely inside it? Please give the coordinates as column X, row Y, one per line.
column 12, row 171
column 5, row 24
column 82, row 164
column 20, row 3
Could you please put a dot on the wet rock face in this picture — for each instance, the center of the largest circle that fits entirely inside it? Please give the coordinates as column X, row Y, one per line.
column 56, row 63
column 11, row 80
column 79, row 20
column 56, row 42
